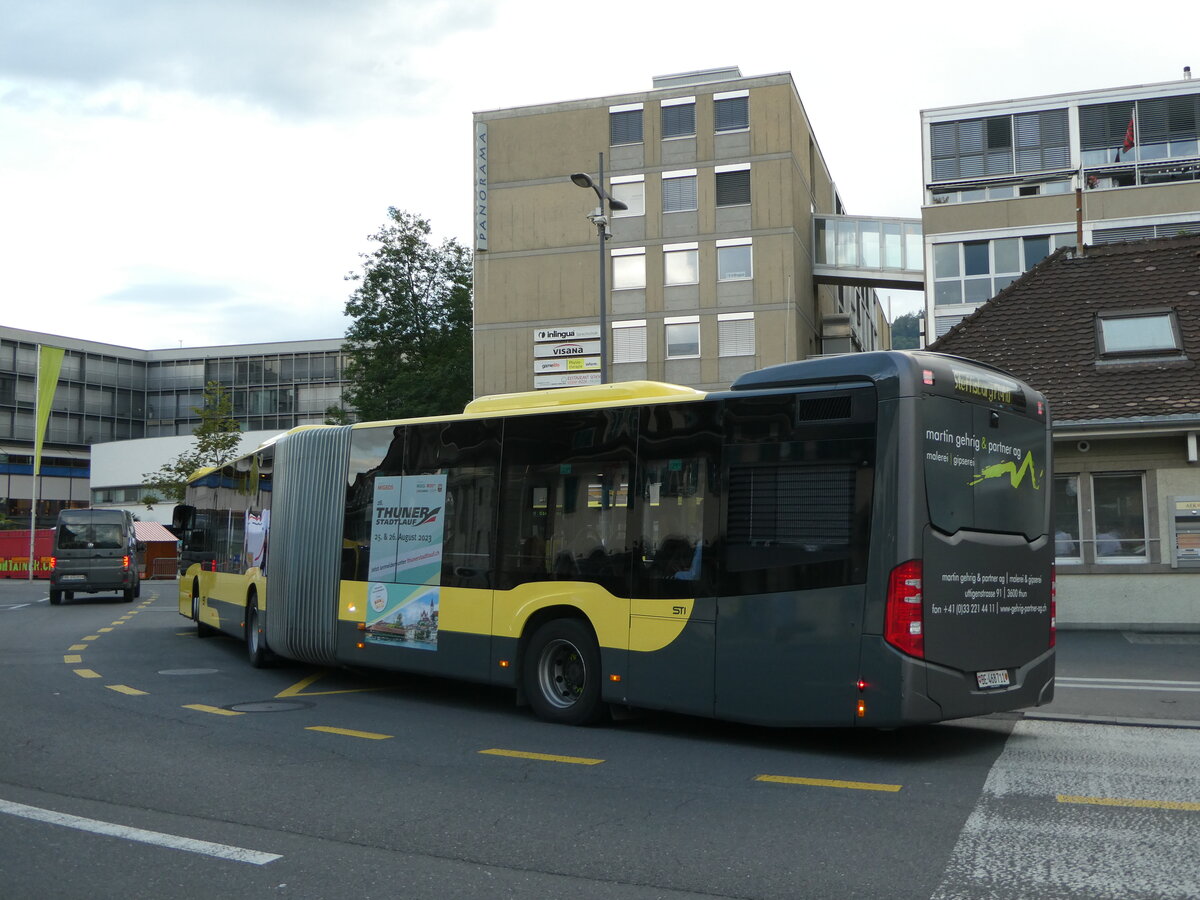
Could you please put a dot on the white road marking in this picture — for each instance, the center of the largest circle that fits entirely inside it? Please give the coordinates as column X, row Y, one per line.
column 174, row 842
column 1127, row 684
column 1021, row 841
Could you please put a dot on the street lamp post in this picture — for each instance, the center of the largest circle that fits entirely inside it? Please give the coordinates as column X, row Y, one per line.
column 598, row 218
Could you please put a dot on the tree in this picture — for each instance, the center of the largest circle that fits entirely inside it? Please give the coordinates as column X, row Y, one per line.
column 906, row 331
column 218, row 437
column 409, row 346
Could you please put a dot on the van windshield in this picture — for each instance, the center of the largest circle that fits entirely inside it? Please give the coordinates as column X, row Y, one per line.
column 85, row 535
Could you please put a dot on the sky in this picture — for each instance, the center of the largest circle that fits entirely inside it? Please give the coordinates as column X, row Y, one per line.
column 198, row 172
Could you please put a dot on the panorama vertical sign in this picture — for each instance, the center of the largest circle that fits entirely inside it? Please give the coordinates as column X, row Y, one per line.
column 481, row 186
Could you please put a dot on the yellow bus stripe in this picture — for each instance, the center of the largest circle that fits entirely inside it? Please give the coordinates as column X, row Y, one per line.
column 827, row 782
column 544, row 757
column 368, row 735
column 1138, row 804
column 73, row 659
column 126, row 689
column 87, row 673
column 215, row 710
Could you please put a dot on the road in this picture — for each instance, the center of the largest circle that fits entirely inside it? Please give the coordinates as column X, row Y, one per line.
column 139, row 761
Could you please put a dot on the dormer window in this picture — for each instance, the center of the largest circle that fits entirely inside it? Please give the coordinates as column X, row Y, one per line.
column 1142, row 333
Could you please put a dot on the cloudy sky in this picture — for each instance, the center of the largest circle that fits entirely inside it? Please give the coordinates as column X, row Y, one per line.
column 208, row 171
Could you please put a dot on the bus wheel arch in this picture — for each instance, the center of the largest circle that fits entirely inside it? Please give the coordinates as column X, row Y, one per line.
column 560, row 667
column 255, row 633
column 202, row 630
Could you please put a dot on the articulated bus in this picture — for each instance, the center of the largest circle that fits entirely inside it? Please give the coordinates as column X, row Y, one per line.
column 852, row 540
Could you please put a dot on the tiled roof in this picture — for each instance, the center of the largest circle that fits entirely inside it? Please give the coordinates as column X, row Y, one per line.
column 1042, row 328
column 152, row 531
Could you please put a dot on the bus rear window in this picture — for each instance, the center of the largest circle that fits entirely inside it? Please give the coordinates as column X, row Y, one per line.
column 985, row 470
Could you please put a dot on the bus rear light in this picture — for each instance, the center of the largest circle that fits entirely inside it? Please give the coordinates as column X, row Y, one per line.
column 862, row 708
column 1053, row 606
column 927, row 377
column 213, row 566
column 904, row 619
column 1041, row 408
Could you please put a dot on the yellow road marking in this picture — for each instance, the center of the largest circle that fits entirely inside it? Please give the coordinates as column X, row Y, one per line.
column 826, row 782
column 298, row 689
column 92, row 637
column 215, row 710
column 1139, row 804
column 544, row 757
column 369, row 735
column 77, row 647
column 125, row 689
column 118, row 622
column 73, row 659
column 87, row 673
column 102, row 631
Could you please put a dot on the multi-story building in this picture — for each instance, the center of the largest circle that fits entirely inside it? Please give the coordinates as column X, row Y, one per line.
column 109, row 393
column 711, row 262
column 1008, row 182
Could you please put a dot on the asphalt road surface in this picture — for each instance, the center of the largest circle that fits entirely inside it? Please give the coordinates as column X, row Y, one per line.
column 139, row 761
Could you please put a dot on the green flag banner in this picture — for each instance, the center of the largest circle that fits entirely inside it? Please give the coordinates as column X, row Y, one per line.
column 49, row 363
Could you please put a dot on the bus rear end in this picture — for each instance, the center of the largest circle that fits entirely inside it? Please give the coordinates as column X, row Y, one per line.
column 969, row 618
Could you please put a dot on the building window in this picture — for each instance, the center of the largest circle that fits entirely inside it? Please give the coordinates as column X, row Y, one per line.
column 681, row 264
column 629, row 268
column 630, row 190
column 731, row 111
column 733, row 185
column 629, row 341
column 1119, row 517
column 1137, row 333
column 625, row 124
column 679, row 117
column 976, row 271
column 683, row 337
column 1066, row 519
column 1141, row 131
column 735, row 334
column 679, row 190
column 735, row 259
column 977, row 148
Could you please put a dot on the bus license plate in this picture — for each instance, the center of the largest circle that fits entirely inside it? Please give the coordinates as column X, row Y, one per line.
column 994, row 679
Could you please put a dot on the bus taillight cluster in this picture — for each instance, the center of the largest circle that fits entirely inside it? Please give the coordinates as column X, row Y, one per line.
column 904, row 621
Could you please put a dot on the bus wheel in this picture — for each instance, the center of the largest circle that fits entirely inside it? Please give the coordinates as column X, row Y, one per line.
column 55, row 598
column 256, row 644
column 202, row 630
column 562, row 673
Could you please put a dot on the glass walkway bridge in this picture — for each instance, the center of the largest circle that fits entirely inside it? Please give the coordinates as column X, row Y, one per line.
column 870, row 252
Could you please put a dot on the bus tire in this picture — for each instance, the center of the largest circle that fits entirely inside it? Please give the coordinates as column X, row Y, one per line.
column 202, row 630
column 256, row 640
column 55, row 598
column 561, row 676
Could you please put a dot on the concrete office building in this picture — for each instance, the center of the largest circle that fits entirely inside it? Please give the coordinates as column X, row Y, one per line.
column 110, row 393
column 711, row 268
column 1001, row 178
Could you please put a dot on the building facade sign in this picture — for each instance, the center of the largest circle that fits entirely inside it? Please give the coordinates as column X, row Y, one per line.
column 481, row 186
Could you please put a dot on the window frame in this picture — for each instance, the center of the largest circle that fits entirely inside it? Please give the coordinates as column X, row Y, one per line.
column 1167, row 313
column 667, row 116
column 729, row 244
column 678, row 322
column 635, row 202
column 1119, row 558
column 731, row 340
column 734, row 169
column 727, row 97
column 672, row 252
column 626, row 253
column 630, row 327
column 624, row 110
column 679, row 175
column 1075, row 539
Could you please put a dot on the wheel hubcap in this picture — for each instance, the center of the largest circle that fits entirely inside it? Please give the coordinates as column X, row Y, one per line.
column 562, row 674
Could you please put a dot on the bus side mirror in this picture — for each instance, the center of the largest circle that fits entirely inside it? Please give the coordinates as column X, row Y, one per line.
column 181, row 518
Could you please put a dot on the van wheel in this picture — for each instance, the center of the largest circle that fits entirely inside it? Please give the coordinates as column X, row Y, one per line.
column 128, row 595
column 202, row 630
column 561, row 673
column 68, row 595
column 137, row 588
column 256, row 642
column 55, row 598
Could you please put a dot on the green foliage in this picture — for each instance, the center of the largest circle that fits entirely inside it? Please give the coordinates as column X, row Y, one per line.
column 337, row 415
column 906, row 332
column 217, row 438
column 409, row 346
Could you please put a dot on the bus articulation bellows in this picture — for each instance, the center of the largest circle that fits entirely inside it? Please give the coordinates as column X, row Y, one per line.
column 852, row 540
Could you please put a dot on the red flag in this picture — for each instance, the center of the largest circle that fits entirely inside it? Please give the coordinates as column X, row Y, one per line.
column 1128, row 145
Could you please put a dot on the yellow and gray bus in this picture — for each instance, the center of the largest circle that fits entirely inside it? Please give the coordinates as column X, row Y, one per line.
column 853, row 540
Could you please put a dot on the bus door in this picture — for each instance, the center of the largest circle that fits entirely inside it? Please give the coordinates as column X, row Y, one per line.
column 798, row 478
